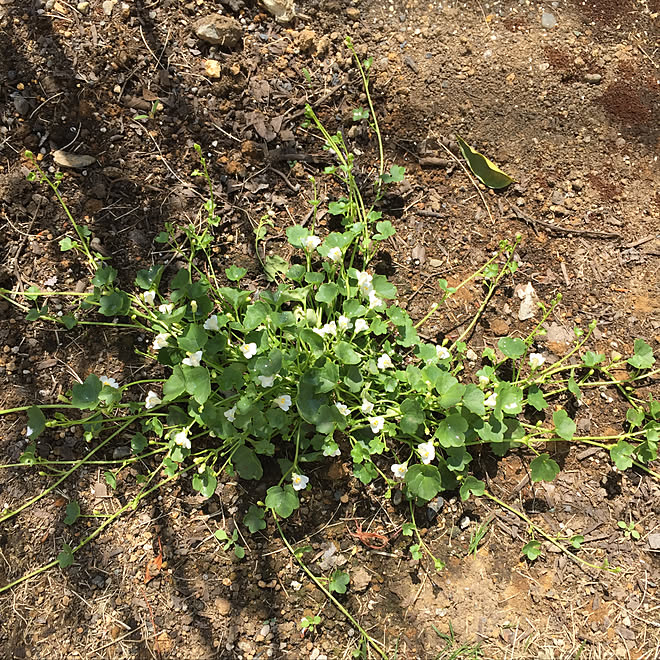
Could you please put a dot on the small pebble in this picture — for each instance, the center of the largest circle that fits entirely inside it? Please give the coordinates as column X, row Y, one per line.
column 593, row 78
column 83, row 7
column 548, row 20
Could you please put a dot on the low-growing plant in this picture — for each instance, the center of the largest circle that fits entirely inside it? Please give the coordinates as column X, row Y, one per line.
column 325, row 363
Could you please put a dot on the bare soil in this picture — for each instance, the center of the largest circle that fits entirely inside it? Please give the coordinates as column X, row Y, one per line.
column 571, row 112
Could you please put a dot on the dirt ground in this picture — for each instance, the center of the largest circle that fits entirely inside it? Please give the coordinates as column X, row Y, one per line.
column 570, row 111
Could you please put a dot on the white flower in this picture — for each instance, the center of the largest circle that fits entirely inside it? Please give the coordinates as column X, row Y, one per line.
column 152, row 400
column 491, row 401
column 266, row 381
column 161, row 341
column 536, row 360
column 284, row 402
column 329, row 328
column 367, row 407
column 385, row 361
column 211, row 323
column 193, row 359
column 295, row 585
column 364, row 281
column 442, row 352
column 248, row 350
column 166, row 309
column 149, row 297
column 484, row 380
column 377, row 424
column 343, row 322
column 193, row 306
column 399, row 470
column 29, row 431
column 230, row 414
column 110, row 382
column 361, row 325
column 311, row 242
column 374, row 300
column 335, row 254
column 343, row 409
column 426, row 452
column 181, row 439
column 299, row 481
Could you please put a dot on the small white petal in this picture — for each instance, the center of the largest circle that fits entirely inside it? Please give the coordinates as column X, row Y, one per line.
column 152, row 400
column 149, row 297
column 211, row 323
column 377, row 424
column 249, row 350
column 284, row 402
column 385, row 361
column 335, row 254
column 266, row 381
column 230, row 414
column 343, row 409
column 367, row 407
column 361, row 325
column 399, row 470
column 442, row 352
column 299, row 481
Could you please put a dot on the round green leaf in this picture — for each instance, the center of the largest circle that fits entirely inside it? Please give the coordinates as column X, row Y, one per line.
column 543, row 468
column 512, row 347
column 86, row 395
column 424, row 481
column 565, row 427
column 282, row 500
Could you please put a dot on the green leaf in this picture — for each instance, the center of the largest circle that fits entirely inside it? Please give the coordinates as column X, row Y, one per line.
column 338, row 581
column 327, row 293
column 72, row 512
column 104, row 276
column 358, row 115
column 254, row 519
column 385, row 229
column 239, row 551
column 275, row 266
column 564, row 426
column 396, row 174
column 622, row 453
column 86, row 395
column 235, row 273
column 66, row 244
column 110, row 479
column 451, row 431
column 296, row 235
column 424, row 481
column 282, row 500
column 473, row 399
column 543, row 468
column 591, row 359
column 577, row 541
column 412, row 415
column 472, row 485
column 458, row 458
column 346, row 354
column 532, row 550
column 247, row 464
column 536, row 399
column 68, row 321
column 383, row 287
column 484, row 169
column 643, row 358
column 205, row 483
column 512, row 347
column 194, row 340
column 65, row 558
column 175, row 385
column 116, row 303
column 635, row 417
column 509, row 399
column 198, row 383
column 36, row 422
column 149, row 277
column 574, row 388
column 138, row 443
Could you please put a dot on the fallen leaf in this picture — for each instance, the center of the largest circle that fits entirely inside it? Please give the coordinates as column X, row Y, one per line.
column 485, row 170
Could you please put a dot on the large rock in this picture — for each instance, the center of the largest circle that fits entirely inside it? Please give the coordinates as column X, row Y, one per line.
column 219, row 30
column 73, row 160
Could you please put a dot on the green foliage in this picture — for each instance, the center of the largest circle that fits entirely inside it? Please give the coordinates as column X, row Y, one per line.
column 338, row 582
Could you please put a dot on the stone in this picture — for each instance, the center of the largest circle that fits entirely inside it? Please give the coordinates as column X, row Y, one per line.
column 223, row 606
column 499, row 327
column 593, row 78
column 213, row 68
column 353, row 13
column 282, row 10
column 108, row 6
column 548, row 20
column 219, row 30
column 306, row 41
column 83, row 7
column 360, row 579
column 654, row 541
column 74, row 161
column 21, row 104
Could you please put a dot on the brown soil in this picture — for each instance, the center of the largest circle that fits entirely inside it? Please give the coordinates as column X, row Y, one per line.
column 584, row 151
